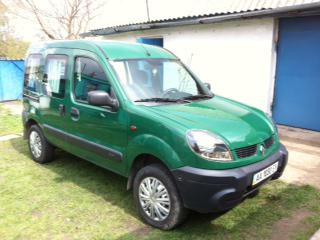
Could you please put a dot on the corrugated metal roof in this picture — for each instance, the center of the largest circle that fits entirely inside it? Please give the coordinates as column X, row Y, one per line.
column 182, row 10
column 168, row 9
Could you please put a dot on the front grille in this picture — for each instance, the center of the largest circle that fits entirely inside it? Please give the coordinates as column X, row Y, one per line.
column 246, row 151
column 268, row 142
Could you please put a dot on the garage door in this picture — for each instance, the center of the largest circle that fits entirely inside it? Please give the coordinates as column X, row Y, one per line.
column 297, row 88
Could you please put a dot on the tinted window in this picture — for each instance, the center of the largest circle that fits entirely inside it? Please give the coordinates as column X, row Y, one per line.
column 33, row 75
column 89, row 76
column 55, row 75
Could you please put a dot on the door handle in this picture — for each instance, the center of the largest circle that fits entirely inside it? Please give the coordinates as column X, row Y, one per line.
column 62, row 110
column 75, row 114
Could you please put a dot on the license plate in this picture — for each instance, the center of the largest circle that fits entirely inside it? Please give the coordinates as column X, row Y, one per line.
column 265, row 173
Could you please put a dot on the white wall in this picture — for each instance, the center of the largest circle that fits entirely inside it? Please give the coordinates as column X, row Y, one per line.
column 236, row 57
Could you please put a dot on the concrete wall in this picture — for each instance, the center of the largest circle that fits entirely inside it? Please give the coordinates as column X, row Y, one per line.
column 236, row 57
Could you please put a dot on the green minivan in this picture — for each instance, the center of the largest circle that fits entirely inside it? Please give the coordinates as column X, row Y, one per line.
column 138, row 111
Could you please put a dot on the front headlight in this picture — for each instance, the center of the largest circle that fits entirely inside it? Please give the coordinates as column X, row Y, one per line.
column 208, row 145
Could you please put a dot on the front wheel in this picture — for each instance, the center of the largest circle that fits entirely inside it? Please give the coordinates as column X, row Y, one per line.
column 157, row 198
column 41, row 150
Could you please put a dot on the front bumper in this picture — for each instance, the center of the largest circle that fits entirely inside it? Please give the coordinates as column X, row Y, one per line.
column 219, row 190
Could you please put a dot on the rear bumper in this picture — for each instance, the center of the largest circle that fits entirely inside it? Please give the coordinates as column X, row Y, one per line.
column 219, row 190
column 24, row 116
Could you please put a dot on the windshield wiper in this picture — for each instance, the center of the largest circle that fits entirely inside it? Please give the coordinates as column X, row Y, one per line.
column 195, row 97
column 161, row 100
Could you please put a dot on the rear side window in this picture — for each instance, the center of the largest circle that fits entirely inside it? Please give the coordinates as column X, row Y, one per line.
column 33, row 75
column 55, row 75
column 89, row 76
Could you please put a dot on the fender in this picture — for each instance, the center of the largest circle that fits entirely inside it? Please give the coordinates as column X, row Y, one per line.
column 150, row 144
column 27, row 118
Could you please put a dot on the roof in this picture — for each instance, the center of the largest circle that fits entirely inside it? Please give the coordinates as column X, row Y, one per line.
column 166, row 13
column 112, row 50
column 190, row 8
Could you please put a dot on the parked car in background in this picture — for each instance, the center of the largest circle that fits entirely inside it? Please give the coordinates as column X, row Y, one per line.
column 138, row 111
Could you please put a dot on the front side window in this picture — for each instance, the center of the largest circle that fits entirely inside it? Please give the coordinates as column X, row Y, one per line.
column 55, row 75
column 33, row 75
column 147, row 79
column 89, row 76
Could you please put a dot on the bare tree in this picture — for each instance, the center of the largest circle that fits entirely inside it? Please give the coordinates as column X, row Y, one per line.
column 10, row 46
column 3, row 18
column 60, row 19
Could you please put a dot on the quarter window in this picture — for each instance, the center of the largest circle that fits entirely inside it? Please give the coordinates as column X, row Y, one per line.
column 89, row 76
column 55, row 75
column 33, row 75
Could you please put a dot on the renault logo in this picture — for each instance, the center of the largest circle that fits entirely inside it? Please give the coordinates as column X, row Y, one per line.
column 262, row 150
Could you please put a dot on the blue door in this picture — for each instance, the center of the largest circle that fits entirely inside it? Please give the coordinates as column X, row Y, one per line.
column 151, row 41
column 297, row 88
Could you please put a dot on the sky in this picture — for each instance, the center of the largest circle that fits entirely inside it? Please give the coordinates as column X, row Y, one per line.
column 119, row 12
column 114, row 12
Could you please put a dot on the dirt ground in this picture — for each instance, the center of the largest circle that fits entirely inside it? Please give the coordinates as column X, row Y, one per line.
column 15, row 107
column 304, row 156
column 285, row 228
column 304, row 164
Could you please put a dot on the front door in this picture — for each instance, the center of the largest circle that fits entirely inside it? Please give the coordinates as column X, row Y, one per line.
column 98, row 133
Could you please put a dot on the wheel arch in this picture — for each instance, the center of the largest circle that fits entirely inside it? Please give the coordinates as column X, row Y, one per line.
column 139, row 162
column 148, row 149
column 29, row 122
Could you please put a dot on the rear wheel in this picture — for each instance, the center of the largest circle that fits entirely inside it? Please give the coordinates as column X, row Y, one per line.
column 41, row 150
column 157, row 198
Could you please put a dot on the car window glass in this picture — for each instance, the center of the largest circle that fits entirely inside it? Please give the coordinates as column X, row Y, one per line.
column 150, row 78
column 89, row 76
column 33, row 75
column 55, row 75
column 178, row 78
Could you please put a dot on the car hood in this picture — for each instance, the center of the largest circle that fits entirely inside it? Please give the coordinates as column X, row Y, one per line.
column 238, row 124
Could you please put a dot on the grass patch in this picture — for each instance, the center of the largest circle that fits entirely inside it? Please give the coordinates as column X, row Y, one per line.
column 73, row 199
column 9, row 123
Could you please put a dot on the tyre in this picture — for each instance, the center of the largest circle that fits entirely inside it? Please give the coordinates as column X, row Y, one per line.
column 157, row 199
column 41, row 150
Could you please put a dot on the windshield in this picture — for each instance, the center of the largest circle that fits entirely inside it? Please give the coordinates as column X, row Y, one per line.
column 157, row 79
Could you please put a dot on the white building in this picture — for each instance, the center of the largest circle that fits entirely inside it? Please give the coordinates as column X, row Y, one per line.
column 263, row 53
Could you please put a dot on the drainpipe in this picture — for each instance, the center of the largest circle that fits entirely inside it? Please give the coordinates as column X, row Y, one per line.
column 148, row 14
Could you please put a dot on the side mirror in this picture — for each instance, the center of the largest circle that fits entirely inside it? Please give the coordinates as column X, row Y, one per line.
column 208, row 85
column 102, row 98
column 45, row 78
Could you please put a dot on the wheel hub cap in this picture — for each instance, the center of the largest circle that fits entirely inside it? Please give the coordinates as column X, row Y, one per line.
column 35, row 144
column 154, row 199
